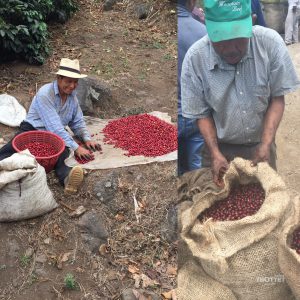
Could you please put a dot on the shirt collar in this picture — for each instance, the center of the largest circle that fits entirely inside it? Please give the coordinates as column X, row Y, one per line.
column 216, row 60
column 55, row 86
column 182, row 11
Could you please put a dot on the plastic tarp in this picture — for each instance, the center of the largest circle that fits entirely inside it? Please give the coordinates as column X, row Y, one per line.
column 12, row 113
column 114, row 157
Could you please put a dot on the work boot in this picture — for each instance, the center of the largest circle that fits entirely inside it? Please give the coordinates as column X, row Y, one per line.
column 74, row 180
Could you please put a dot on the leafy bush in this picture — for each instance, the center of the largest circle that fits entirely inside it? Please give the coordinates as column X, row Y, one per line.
column 63, row 10
column 22, row 32
column 23, row 29
column 45, row 7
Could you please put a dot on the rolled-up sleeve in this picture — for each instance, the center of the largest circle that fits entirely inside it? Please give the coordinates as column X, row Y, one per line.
column 78, row 125
column 193, row 101
column 283, row 77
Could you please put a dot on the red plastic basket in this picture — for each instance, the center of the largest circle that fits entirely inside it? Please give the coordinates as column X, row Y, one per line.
column 48, row 162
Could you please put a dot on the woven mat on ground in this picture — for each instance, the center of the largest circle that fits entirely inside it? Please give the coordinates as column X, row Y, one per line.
column 114, row 157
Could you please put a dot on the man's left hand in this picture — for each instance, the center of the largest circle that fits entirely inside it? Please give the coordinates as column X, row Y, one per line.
column 262, row 153
column 93, row 146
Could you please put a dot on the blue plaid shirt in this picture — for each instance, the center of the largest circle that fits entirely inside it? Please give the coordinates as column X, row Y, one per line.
column 47, row 113
column 237, row 96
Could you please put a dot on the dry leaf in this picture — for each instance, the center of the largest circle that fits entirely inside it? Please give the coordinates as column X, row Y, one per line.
column 63, row 258
column 58, row 233
column 78, row 211
column 133, row 269
column 79, row 270
column 119, row 217
column 103, row 249
column 167, row 295
column 137, row 280
column 170, row 295
column 148, row 281
column 31, row 93
column 171, row 271
column 142, row 203
column 158, row 263
column 144, row 281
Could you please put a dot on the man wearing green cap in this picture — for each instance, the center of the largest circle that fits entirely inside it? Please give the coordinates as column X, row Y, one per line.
column 234, row 81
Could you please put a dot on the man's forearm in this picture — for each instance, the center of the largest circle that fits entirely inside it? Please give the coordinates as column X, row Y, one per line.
column 209, row 133
column 272, row 120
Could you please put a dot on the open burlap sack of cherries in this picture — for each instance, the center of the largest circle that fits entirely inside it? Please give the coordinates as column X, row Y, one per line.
column 232, row 233
column 289, row 249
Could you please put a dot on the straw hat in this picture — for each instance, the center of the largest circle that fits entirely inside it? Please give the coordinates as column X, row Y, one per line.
column 70, row 68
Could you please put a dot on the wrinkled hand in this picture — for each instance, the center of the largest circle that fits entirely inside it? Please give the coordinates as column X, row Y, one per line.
column 262, row 153
column 219, row 167
column 83, row 153
column 93, row 146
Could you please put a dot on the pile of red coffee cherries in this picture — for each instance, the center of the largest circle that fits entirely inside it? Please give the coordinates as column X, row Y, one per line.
column 242, row 201
column 141, row 135
column 296, row 240
column 41, row 149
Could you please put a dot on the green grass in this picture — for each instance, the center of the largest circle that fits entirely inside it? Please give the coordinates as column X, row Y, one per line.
column 142, row 76
column 24, row 260
column 125, row 62
column 105, row 69
column 167, row 56
column 126, row 33
column 158, row 45
column 70, row 282
column 32, row 279
column 154, row 45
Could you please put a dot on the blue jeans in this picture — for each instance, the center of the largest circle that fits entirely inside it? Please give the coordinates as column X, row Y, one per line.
column 190, row 142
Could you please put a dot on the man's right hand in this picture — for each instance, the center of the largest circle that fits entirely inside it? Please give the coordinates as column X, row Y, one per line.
column 83, row 153
column 294, row 9
column 219, row 166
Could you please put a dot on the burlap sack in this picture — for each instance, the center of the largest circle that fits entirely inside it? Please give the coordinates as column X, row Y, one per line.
column 289, row 260
column 242, row 254
column 194, row 284
column 24, row 192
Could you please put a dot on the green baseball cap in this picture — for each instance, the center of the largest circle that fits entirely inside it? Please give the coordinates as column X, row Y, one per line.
column 228, row 19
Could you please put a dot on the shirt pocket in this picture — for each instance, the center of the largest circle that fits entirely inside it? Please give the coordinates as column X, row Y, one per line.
column 261, row 97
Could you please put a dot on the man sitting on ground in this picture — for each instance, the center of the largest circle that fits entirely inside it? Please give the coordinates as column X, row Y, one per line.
column 54, row 107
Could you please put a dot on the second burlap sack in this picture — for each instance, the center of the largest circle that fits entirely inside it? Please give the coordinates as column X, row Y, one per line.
column 289, row 259
column 24, row 192
column 241, row 255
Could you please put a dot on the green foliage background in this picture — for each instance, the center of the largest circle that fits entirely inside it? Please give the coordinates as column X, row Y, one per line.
column 23, row 28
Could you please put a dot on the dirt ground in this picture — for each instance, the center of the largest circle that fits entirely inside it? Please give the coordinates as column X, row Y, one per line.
column 287, row 140
column 137, row 59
